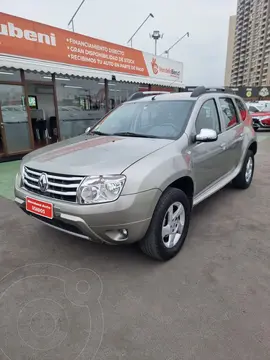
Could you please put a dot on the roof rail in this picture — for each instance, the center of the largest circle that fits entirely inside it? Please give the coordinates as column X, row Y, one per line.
column 200, row 90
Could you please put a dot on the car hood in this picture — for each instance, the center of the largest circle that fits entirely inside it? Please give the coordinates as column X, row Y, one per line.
column 92, row 155
column 260, row 114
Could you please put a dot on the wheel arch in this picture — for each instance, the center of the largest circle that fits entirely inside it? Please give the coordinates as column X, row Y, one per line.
column 184, row 183
column 253, row 147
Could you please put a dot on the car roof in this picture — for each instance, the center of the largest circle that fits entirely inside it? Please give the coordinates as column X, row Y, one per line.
column 183, row 96
column 164, row 97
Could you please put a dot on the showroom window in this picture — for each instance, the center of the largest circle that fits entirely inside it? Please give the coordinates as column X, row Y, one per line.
column 10, row 75
column 14, row 119
column 119, row 92
column 81, row 103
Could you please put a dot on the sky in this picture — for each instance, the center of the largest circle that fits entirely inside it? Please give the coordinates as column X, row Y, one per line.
column 207, row 21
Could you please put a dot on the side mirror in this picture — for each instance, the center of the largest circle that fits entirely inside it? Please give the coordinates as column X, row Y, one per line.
column 87, row 130
column 206, row 135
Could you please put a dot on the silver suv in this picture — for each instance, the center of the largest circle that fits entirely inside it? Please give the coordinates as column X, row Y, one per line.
column 135, row 176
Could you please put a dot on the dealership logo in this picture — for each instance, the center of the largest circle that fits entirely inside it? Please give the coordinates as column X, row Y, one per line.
column 154, row 66
column 13, row 31
column 159, row 69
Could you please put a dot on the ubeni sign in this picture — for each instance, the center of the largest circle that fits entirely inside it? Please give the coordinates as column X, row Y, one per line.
column 25, row 38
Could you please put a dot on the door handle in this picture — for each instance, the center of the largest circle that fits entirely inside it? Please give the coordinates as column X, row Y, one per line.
column 2, row 126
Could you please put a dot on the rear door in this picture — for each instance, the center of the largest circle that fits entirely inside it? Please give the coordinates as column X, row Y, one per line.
column 208, row 159
column 233, row 130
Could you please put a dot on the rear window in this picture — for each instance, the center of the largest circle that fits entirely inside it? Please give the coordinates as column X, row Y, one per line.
column 161, row 119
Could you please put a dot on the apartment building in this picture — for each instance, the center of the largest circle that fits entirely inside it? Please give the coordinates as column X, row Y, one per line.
column 230, row 48
column 251, row 62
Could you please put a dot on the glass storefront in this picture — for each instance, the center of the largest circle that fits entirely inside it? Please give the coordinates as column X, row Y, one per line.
column 119, row 92
column 81, row 103
column 14, row 125
column 10, row 75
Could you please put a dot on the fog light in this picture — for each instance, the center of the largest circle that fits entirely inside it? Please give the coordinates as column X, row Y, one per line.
column 124, row 232
column 117, row 235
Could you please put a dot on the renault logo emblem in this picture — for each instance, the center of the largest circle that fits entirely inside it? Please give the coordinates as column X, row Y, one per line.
column 43, row 182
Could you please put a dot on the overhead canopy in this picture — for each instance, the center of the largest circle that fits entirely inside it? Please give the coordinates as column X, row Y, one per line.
column 48, row 67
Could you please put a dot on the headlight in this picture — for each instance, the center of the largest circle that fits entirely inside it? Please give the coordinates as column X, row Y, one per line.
column 100, row 189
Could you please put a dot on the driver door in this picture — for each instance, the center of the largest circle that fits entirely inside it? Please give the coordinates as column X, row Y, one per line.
column 208, row 158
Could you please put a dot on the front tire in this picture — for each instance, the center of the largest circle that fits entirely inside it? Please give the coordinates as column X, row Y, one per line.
column 169, row 226
column 244, row 178
column 256, row 129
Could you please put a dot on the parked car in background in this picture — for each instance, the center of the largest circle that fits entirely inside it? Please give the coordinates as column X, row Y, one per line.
column 254, row 107
column 257, row 106
column 261, row 120
column 137, row 174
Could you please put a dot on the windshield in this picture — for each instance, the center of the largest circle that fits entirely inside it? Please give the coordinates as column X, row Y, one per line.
column 161, row 119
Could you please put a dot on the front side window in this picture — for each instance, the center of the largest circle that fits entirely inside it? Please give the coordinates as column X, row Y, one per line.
column 160, row 119
column 208, row 117
column 228, row 112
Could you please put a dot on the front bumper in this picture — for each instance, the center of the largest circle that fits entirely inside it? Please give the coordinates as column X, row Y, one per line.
column 103, row 223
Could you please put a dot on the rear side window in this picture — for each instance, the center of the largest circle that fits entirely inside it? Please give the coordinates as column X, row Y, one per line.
column 242, row 109
column 228, row 112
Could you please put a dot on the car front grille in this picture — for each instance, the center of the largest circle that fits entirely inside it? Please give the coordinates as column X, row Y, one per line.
column 61, row 187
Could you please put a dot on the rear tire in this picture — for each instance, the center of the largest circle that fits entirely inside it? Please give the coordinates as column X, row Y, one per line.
column 169, row 226
column 244, row 178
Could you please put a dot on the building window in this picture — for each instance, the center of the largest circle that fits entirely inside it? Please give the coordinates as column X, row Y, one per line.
column 7, row 74
column 81, row 103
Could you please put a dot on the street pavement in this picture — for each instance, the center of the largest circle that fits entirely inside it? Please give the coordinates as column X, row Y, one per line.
column 211, row 302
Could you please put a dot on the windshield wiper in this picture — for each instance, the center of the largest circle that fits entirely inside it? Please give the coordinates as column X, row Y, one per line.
column 96, row 132
column 131, row 134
